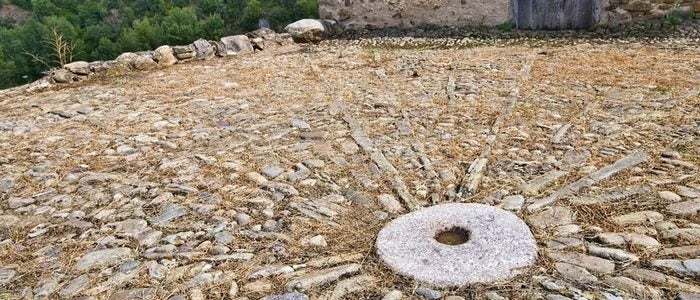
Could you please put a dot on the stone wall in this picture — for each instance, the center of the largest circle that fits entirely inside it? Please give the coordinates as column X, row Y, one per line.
column 371, row 14
column 166, row 56
column 360, row 14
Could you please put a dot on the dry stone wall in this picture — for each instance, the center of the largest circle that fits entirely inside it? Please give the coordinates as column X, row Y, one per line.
column 166, row 55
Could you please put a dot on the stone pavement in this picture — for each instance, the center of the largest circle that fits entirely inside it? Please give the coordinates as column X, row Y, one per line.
column 270, row 175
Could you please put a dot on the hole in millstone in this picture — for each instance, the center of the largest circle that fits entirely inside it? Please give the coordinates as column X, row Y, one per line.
column 453, row 236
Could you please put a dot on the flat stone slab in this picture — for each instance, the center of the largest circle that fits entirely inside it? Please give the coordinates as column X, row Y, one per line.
column 499, row 246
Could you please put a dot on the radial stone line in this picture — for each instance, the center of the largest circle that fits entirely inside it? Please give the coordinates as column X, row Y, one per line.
column 626, row 162
column 358, row 134
column 471, row 181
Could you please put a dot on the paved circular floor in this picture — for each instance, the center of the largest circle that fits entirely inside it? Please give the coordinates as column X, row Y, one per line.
column 457, row 244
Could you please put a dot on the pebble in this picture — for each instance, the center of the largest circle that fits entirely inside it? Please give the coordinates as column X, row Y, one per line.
column 6, row 275
column 321, row 277
column 393, row 295
column 691, row 207
column 641, row 217
column 317, row 241
column 612, row 239
column 233, row 290
column 633, row 287
column 513, row 203
column 688, row 296
column 575, row 273
column 287, row 296
column 428, row 293
column 102, row 258
column 614, row 254
column 591, row 263
column 243, row 219
column 170, row 212
column 74, row 286
column 272, row 171
column 552, row 217
column 669, row 196
column 390, row 204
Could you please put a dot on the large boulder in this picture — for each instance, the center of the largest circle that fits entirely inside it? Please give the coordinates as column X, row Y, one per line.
column 101, row 66
column 78, row 67
column 184, row 52
column 203, row 49
column 237, row 44
column 219, row 48
column 62, row 76
column 127, row 59
column 136, row 61
column 313, row 30
column 164, row 56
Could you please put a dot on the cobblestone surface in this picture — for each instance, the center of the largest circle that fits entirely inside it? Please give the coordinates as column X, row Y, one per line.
column 269, row 175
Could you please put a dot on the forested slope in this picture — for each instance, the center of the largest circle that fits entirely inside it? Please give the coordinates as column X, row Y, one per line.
column 102, row 29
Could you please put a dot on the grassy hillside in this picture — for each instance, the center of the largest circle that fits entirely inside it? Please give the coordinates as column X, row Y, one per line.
column 102, row 29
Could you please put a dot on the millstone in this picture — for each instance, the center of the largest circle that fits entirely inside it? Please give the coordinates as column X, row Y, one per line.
column 457, row 244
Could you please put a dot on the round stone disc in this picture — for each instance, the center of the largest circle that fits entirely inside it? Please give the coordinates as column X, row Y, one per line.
column 499, row 245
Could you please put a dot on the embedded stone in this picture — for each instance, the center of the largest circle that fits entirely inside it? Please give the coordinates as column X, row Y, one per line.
column 633, row 287
column 574, row 273
column 552, row 217
column 321, row 277
column 591, row 263
column 457, row 244
column 684, row 208
column 669, row 196
column 104, row 257
column 640, row 217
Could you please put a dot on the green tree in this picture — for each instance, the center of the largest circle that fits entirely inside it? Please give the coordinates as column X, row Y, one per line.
column 26, row 4
column 148, row 33
column 306, row 9
column 181, row 25
column 213, row 27
column 8, row 71
column 210, row 7
column 251, row 13
column 107, row 49
column 90, row 12
column 44, row 8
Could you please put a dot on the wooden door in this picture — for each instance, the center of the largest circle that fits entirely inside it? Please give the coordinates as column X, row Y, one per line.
column 555, row 14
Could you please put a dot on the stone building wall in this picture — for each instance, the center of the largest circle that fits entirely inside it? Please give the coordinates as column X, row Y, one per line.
column 370, row 14
column 358, row 14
